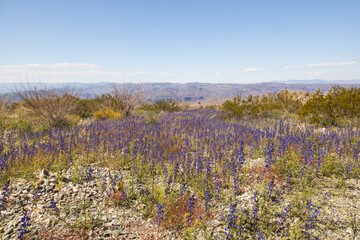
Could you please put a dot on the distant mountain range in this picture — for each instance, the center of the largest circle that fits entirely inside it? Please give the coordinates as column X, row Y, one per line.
column 187, row 92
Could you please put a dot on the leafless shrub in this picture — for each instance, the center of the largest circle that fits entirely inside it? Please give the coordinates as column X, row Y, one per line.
column 50, row 105
column 122, row 99
column 3, row 104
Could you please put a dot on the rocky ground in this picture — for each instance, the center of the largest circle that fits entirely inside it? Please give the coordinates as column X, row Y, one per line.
column 69, row 208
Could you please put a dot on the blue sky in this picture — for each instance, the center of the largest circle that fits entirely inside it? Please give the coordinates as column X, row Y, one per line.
column 179, row 40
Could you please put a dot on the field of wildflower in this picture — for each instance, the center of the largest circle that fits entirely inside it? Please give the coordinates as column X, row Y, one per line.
column 193, row 174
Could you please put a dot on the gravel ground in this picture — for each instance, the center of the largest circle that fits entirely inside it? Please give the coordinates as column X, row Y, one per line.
column 339, row 217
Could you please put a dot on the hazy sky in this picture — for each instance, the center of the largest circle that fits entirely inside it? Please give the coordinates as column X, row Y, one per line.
column 179, row 40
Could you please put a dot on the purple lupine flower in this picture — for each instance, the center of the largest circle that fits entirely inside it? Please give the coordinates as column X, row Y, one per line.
column 183, row 184
column 231, row 222
column 309, row 206
column 53, row 205
column 356, row 152
column 208, row 196
column 208, row 168
column 89, row 176
column 70, row 159
column 4, row 196
column 104, row 185
column 284, row 216
column 160, row 214
column 232, row 216
column 124, row 195
column 236, row 184
column 269, row 152
column 303, row 168
column 278, row 196
column 255, row 210
column 25, row 223
column 348, row 170
column 283, row 144
column 313, row 216
column 319, row 160
column 3, row 160
column 167, row 190
column 329, row 146
column 176, row 171
column 270, row 187
column 191, row 205
column 311, row 219
column 112, row 183
column 217, row 187
column 260, row 235
column 36, row 197
column 199, row 165
column 228, row 234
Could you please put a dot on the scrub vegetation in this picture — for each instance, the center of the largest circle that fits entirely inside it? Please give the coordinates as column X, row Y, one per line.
column 256, row 169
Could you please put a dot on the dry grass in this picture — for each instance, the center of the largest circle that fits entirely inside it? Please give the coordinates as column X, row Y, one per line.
column 117, row 199
column 176, row 213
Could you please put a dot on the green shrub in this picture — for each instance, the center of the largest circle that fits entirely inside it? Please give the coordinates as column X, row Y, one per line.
column 86, row 107
column 147, row 107
column 266, row 106
column 169, row 105
column 336, row 108
column 212, row 106
column 288, row 101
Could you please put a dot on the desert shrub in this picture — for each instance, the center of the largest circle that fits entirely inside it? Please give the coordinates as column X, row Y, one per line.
column 106, row 113
column 22, row 123
column 3, row 108
column 169, row 105
column 122, row 99
column 288, row 101
column 265, row 106
column 3, row 105
column 147, row 107
column 336, row 108
column 212, row 106
column 49, row 105
column 236, row 107
column 86, row 107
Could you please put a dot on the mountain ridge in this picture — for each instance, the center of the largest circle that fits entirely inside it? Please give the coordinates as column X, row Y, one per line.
column 186, row 92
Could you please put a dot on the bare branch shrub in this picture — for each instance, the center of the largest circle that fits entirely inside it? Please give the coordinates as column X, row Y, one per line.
column 50, row 105
column 122, row 99
column 3, row 105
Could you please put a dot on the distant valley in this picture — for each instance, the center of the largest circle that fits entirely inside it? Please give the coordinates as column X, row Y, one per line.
column 187, row 92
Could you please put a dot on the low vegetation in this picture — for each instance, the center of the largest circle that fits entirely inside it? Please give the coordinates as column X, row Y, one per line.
column 265, row 106
column 169, row 105
column 338, row 107
column 255, row 170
